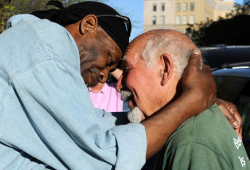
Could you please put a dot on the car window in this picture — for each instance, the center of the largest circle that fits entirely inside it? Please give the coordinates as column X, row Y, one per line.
column 243, row 106
column 229, row 88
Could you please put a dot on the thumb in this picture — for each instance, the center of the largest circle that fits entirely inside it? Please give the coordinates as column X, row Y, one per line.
column 195, row 58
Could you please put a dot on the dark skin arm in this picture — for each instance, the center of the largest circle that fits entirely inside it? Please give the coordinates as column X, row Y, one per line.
column 230, row 111
column 198, row 87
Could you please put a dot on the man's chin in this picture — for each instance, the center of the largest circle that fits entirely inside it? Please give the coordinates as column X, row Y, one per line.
column 89, row 81
column 135, row 115
column 90, row 84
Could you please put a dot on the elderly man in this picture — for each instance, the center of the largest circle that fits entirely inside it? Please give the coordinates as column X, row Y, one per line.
column 153, row 66
column 47, row 120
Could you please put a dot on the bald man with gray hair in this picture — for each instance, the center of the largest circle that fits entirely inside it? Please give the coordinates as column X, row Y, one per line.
column 153, row 66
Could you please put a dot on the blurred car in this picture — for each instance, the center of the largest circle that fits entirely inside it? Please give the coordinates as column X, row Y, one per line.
column 230, row 67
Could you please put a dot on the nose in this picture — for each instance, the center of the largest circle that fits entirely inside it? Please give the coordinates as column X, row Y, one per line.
column 119, row 84
column 104, row 75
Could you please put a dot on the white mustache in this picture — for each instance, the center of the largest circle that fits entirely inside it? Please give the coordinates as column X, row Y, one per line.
column 126, row 94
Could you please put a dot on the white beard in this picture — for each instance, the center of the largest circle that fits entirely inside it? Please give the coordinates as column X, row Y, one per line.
column 135, row 115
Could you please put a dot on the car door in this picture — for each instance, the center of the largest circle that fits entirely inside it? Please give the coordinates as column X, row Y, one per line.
column 237, row 91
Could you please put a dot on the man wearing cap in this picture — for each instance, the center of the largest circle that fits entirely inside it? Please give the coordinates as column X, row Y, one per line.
column 47, row 120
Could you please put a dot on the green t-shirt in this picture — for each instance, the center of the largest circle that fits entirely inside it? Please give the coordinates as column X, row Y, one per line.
column 204, row 142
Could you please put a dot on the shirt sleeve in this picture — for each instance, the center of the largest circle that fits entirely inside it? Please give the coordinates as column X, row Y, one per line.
column 193, row 156
column 56, row 101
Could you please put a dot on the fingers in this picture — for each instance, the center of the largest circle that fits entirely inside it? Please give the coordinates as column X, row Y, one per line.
column 237, row 116
column 233, row 121
column 233, row 116
column 238, row 125
column 230, row 117
column 195, row 58
column 233, row 110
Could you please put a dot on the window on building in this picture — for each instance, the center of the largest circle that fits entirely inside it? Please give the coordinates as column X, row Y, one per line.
column 191, row 19
column 154, row 20
column 154, row 6
column 177, row 20
column 191, row 6
column 184, row 19
column 184, row 6
column 184, row 31
column 177, row 7
column 162, row 20
column 163, row 7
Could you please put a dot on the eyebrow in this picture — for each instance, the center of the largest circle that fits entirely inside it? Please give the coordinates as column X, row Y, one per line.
column 124, row 61
column 124, row 58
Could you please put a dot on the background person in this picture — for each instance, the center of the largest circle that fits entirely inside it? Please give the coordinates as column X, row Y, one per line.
column 105, row 96
column 206, row 141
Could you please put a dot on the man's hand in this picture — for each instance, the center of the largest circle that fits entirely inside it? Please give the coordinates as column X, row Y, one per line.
column 199, row 82
column 231, row 113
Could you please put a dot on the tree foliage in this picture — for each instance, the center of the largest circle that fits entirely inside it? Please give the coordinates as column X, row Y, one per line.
column 9, row 8
column 232, row 30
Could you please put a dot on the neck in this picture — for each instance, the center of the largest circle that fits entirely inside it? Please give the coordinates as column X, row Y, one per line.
column 178, row 90
column 73, row 29
column 174, row 92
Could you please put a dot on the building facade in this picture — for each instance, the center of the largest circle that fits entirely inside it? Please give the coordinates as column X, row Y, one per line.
column 176, row 14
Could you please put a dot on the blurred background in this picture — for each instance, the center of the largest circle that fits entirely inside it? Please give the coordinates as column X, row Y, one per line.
column 199, row 19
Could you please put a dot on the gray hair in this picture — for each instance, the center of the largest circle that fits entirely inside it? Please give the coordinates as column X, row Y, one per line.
column 159, row 44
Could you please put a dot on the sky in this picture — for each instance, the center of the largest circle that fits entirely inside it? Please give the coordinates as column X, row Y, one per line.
column 134, row 10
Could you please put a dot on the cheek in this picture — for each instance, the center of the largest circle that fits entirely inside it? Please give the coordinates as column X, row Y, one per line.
column 86, row 78
column 132, row 80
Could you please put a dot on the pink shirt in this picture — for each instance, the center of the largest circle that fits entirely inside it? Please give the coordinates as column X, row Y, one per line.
column 108, row 98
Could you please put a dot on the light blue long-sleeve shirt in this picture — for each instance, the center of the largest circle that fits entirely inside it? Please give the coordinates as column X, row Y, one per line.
column 46, row 116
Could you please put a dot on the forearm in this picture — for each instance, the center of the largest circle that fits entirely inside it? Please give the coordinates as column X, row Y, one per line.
column 160, row 126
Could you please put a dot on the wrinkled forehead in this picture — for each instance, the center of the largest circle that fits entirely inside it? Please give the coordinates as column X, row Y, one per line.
column 129, row 55
column 141, row 50
column 132, row 58
column 134, row 50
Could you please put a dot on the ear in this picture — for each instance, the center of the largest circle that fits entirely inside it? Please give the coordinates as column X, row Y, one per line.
column 168, row 67
column 88, row 24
